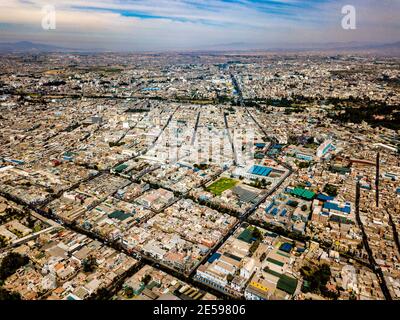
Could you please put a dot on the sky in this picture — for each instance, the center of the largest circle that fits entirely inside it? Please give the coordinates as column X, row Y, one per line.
column 156, row 25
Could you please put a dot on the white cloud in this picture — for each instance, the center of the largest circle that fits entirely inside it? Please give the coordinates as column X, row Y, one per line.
column 192, row 24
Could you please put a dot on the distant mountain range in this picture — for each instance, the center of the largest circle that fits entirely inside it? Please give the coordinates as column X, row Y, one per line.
column 31, row 47
column 357, row 46
column 333, row 46
column 24, row 46
column 390, row 48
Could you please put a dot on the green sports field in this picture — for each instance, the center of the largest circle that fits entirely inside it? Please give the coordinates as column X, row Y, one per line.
column 221, row 185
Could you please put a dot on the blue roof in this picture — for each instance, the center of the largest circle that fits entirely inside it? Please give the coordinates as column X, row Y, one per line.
column 304, row 156
column 214, row 257
column 260, row 145
column 334, row 206
column 286, row 247
column 260, row 170
column 324, row 197
column 346, row 209
column 17, row 161
column 398, row 190
column 283, row 213
column 269, row 207
column 274, row 212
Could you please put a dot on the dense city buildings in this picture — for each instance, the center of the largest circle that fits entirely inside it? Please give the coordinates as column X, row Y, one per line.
column 199, row 176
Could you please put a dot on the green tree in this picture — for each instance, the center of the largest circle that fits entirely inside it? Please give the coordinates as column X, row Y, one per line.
column 317, row 278
column 3, row 242
column 146, row 279
column 128, row 292
column 229, row 278
column 254, row 246
column 256, row 233
column 89, row 264
column 303, row 165
column 102, row 294
column 331, row 190
column 11, row 263
column 30, row 222
column 6, row 295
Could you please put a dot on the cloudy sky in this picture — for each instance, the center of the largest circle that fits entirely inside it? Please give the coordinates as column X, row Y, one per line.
column 203, row 24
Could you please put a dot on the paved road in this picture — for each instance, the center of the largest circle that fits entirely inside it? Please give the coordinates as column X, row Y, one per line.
column 376, row 268
column 230, row 140
column 195, row 128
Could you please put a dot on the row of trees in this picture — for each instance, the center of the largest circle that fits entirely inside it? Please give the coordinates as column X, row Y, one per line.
column 201, row 166
column 257, row 234
column 11, row 214
column 281, row 231
column 215, row 206
column 261, row 184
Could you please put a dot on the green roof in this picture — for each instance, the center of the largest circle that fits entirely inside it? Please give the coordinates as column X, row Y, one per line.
column 287, row 284
column 68, row 154
column 302, row 193
column 120, row 215
column 246, row 235
column 120, row 168
column 232, row 256
column 278, row 263
column 283, row 254
column 274, row 273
